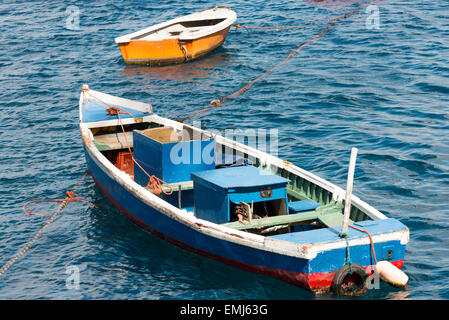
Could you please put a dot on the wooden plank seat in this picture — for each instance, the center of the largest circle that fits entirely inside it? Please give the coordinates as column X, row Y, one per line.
column 113, row 141
column 332, row 219
column 330, row 215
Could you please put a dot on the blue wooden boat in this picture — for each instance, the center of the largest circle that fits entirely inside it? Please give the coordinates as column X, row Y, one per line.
column 233, row 204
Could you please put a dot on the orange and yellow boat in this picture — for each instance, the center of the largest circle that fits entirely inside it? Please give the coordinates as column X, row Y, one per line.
column 178, row 40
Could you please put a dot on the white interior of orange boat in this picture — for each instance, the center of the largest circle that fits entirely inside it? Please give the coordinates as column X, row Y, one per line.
column 184, row 28
column 189, row 27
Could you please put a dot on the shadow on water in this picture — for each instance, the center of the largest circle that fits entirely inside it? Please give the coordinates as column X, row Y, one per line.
column 202, row 68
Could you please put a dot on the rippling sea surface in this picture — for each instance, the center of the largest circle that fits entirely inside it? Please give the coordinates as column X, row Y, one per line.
column 383, row 90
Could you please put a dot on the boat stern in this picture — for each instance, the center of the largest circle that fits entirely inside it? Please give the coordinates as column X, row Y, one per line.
column 329, row 252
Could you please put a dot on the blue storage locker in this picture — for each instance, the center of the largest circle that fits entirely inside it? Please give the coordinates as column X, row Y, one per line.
column 162, row 153
column 214, row 190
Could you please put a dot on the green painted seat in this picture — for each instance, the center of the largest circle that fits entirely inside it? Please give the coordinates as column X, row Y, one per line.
column 330, row 215
column 273, row 221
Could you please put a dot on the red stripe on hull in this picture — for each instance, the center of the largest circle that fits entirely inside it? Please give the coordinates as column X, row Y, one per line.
column 316, row 282
column 321, row 282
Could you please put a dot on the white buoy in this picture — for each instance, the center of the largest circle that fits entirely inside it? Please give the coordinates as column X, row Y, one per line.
column 388, row 272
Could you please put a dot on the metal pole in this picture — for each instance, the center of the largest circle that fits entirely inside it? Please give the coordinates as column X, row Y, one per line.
column 251, row 212
column 349, row 183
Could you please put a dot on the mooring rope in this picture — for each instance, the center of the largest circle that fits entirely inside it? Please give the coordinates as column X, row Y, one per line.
column 370, row 239
column 36, row 236
column 70, row 196
column 348, row 256
column 237, row 26
column 332, row 23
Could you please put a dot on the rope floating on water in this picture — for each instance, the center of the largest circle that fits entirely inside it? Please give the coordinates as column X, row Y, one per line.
column 332, row 23
column 36, row 236
column 70, row 196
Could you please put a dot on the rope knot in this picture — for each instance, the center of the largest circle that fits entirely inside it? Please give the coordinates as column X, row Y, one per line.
column 156, row 185
column 113, row 111
column 343, row 235
column 70, row 195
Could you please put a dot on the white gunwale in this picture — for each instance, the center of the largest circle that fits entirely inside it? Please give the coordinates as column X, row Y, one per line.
column 225, row 13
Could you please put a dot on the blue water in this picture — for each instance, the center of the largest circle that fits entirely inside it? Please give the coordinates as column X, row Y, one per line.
column 384, row 91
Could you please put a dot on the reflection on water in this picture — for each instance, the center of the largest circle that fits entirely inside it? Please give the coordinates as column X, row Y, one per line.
column 189, row 71
column 399, row 295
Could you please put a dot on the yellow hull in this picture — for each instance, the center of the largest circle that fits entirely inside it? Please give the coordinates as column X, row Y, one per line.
column 170, row 51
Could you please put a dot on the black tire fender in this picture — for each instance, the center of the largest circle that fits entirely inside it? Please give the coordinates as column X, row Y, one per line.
column 358, row 273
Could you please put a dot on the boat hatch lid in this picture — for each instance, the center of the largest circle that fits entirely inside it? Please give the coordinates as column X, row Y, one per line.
column 331, row 234
column 238, row 177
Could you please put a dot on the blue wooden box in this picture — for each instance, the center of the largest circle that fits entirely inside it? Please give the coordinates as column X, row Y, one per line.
column 169, row 156
column 215, row 190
